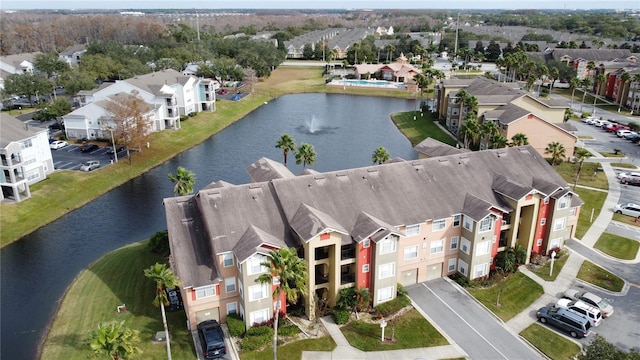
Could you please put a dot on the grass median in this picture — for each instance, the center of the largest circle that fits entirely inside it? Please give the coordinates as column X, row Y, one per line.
column 600, row 277
column 618, row 246
column 551, row 343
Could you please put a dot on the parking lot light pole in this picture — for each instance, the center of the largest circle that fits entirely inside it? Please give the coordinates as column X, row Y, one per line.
column 113, row 143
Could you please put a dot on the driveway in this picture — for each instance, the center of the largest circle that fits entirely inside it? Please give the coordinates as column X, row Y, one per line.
column 478, row 332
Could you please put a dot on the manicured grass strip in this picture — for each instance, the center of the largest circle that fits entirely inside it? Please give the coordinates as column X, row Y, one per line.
column 618, row 246
column 589, row 176
column 593, row 201
column 550, row 343
column 543, row 271
column 518, row 292
column 292, row 350
column 115, row 279
column 623, row 165
column 421, row 128
column 410, row 330
column 629, row 220
column 598, row 276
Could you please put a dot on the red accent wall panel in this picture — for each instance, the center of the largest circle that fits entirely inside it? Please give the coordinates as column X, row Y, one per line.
column 541, row 230
column 363, row 279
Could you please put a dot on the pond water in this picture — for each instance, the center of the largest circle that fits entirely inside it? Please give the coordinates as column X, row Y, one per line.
column 36, row 270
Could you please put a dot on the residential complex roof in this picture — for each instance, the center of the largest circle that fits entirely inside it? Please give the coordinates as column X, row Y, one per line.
column 15, row 130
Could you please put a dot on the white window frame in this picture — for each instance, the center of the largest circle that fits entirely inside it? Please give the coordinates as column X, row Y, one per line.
column 560, row 224
column 205, row 291
column 412, row 230
column 240, row 289
column 543, row 221
column 234, row 307
column 572, row 211
column 438, row 225
column 465, row 243
column 483, row 248
column 436, row 246
column 480, row 270
column 230, row 281
column 387, row 245
column 564, row 202
column 555, row 243
column 386, row 294
column 260, row 290
column 365, row 268
column 456, row 220
column 254, row 267
column 539, row 242
column 387, row 270
column 467, row 223
column 411, row 252
column 546, row 200
column 262, row 314
column 486, row 224
column 463, row 267
column 366, row 243
column 454, row 243
column 225, row 258
column 452, row 265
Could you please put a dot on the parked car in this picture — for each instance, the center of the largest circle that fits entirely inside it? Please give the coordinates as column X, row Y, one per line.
column 613, row 127
column 623, row 132
column 90, row 165
column 589, row 120
column 590, row 312
column 89, row 147
column 629, row 209
column 175, row 299
column 632, row 178
column 118, row 149
column 58, row 144
column 591, row 299
column 576, row 325
column 630, row 136
column 212, row 339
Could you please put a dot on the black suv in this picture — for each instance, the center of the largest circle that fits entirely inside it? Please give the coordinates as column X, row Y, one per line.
column 212, row 339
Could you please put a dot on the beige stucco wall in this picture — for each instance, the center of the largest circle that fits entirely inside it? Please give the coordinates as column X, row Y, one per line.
column 553, row 115
column 541, row 134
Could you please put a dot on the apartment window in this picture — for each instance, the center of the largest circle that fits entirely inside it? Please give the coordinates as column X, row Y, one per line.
column 205, row 291
column 387, row 245
column 438, row 225
column 254, row 264
column 230, row 284
column 258, row 317
column 456, row 220
column 559, row 224
column 276, row 280
column 465, row 245
column 546, row 200
column 385, row 294
column 543, row 221
column 257, row 292
column 463, row 267
column 572, row 211
column 486, row 224
column 468, row 223
column 480, row 270
column 539, row 242
column 232, row 308
column 366, row 243
column 26, row 144
column 563, row 203
column 483, row 248
column 452, row 264
column 387, row 270
column 411, row 252
column 454, row 243
column 365, row 268
column 227, row 259
column 555, row 243
column 437, row 246
column 412, row 230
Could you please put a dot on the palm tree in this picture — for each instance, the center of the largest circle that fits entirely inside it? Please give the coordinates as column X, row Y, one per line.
column 581, row 155
column 600, row 80
column 390, row 49
column 574, row 84
column 489, row 130
column 568, row 113
column 113, row 339
column 164, row 278
column 556, row 150
column 184, row 180
column 288, row 273
column 624, row 79
column 423, row 81
column 519, row 139
column 306, row 154
column 499, row 142
column 286, row 144
column 586, row 82
column 636, row 79
column 554, row 73
column 380, row 155
column 471, row 130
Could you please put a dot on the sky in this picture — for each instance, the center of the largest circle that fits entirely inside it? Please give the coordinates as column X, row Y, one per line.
column 318, row 4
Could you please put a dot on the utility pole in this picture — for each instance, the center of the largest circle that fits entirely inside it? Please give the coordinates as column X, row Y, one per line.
column 455, row 51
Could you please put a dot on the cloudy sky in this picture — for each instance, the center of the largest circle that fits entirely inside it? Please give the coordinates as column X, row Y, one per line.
column 317, row 4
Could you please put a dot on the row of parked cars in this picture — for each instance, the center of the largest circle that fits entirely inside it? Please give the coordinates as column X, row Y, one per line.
column 621, row 130
column 576, row 313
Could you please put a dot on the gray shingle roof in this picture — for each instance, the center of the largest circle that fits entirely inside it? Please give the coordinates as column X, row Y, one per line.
column 154, row 81
column 252, row 241
column 308, row 222
column 13, row 129
column 432, row 148
column 266, row 169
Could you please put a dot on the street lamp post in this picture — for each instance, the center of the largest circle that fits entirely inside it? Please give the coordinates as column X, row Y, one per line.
column 553, row 257
column 113, row 144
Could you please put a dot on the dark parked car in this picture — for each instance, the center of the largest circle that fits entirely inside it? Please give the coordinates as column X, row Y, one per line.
column 89, row 147
column 118, row 149
column 576, row 325
column 212, row 339
column 175, row 299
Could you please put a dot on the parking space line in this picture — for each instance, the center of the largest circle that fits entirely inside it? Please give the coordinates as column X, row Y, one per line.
column 463, row 320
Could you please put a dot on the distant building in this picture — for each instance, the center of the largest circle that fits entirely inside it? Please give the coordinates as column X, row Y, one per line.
column 73, row 54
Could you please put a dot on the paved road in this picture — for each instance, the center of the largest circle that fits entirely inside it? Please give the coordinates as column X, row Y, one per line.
column 470, row 325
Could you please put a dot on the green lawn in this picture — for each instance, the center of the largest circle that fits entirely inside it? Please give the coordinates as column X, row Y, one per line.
column 629, row 220
column 593, row 201
column 551, row 343
column 624, row 165
column 598, row 276
column 293, row 350
column 617, row 246
column 411, row 331
column 518, row 292
column 543, row 271
column 421, row 128
column 115, row 279
column 568, row 172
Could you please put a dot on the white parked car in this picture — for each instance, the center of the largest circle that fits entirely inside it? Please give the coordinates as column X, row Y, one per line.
column 629, row 209
column 623, row 132
column 579, row 307
column 90, row 165
column 591, row 299
column 58, row 144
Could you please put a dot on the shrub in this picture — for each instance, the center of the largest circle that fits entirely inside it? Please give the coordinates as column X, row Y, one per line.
column 393, row 306
column 159, row 243
column 184, row 118
column 340, row 316
column 261, row 330
column 288, row 330
column 252, row 343
column 460, row 279
column 236, row 325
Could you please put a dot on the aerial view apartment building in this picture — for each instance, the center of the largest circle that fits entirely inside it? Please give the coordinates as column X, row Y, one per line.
column 372, row 227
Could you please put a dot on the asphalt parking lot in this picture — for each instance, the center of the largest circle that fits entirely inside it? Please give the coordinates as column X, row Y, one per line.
column 71, row 158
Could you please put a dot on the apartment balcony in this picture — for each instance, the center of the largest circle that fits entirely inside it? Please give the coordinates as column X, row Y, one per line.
column 347, row 252
column 347, row 274
column 503, row 240
column 16, row 159
column 321, row 253
column 171, row 102
column 322, row 274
